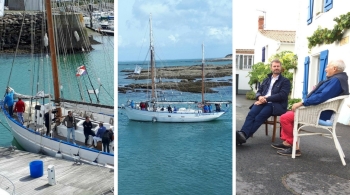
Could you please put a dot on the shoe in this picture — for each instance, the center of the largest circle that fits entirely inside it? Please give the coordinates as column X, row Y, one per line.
column 288, row 152
column 240, row 137
column 280, row 146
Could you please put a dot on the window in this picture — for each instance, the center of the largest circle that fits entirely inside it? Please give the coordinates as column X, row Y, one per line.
column 244, row 61
column 318, row 7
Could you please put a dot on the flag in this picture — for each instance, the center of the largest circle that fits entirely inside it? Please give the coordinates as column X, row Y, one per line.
column 137, row 69
column 81, row 71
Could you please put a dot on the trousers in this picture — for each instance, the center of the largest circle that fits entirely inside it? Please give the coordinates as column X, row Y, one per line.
column 287, row 123
column 70, row 130
column 257, row 115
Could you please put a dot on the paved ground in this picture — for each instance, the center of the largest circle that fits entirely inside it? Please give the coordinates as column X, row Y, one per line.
column 260, row 170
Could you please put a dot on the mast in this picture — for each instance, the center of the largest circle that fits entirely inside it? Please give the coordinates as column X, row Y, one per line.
column 153, row 75
column 53, row 56
column 202, row 73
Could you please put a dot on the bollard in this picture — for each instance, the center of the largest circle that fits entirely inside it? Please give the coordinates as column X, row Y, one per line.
column 51, row 174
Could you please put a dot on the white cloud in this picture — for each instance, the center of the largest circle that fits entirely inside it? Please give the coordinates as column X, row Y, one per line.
column 223, row 33
column 174, row 38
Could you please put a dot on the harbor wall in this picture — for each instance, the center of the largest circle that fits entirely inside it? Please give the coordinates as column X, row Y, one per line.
column 34, row 28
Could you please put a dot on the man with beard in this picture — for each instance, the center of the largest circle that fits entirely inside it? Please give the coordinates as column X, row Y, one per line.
column 272, row 99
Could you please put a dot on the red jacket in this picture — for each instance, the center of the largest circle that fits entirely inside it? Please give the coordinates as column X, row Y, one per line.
column 19, row 106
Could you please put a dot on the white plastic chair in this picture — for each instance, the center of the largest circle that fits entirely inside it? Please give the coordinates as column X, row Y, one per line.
column 309, row 116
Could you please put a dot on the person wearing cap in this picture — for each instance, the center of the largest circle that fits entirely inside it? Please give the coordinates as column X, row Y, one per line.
column 99, row 134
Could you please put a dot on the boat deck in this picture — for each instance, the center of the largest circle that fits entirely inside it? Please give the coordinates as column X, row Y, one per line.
column 71, row 177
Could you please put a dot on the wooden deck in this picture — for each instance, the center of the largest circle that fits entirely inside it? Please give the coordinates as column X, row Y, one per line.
column 71, row 177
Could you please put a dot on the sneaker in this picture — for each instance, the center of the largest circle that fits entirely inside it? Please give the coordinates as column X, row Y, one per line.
column 240, row 137
column 288, row 152
column 280, row 146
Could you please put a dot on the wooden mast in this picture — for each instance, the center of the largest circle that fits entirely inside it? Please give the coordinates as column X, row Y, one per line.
column 53, row 56
column 202, row 74
column 153, row 96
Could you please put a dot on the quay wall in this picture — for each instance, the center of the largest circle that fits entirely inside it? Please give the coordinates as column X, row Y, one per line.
column 30, row 27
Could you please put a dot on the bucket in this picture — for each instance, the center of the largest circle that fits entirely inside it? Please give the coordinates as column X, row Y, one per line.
column 36, row 168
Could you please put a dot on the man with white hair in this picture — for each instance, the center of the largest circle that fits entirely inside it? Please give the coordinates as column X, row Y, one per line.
column 335, row 85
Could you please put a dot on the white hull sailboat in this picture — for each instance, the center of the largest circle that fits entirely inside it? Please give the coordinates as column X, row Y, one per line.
column 153, row 112
column 31, row 135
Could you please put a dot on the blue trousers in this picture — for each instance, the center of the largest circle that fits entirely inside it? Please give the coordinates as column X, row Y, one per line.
column 257, row 115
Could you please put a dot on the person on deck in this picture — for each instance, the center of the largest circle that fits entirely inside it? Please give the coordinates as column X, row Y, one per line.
column 272, row 99
column 106, row 139
column 169, row 109
column 71, row 126
column 20, row 108
column 87, row 129
column 9, row 100
column 335, row 85
column 47, row 122
column 99, row 134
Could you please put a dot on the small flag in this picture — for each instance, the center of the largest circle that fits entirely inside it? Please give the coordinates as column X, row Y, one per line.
column 80, row 71
column 137, row 69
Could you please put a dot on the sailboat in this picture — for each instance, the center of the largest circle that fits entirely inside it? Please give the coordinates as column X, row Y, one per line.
column 150, row 110
column 31, row 134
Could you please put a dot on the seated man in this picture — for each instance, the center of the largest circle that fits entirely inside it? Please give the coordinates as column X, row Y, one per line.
column 99, row 134
column 272, row 99
column 335, row 85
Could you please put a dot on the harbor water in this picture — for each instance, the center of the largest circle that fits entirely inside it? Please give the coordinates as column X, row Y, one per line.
column 174, row 158
column 99, row 64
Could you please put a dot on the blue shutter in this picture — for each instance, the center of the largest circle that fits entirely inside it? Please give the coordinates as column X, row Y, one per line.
column 263, row 54
column 310, row 11
column 323, row 64
column 306, row 75
column 328, row 4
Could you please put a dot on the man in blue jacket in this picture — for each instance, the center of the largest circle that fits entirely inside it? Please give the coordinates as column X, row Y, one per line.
column 335, row 85
column 9, row 100
column 272, row 99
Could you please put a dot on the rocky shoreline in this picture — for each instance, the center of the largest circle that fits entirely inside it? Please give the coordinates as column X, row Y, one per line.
column 188, row 76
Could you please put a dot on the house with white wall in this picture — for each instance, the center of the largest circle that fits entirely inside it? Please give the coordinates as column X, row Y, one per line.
column 271, row 42
column 312, row 62
column 244, row 63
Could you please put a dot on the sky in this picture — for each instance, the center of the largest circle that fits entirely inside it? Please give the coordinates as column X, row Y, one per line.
column 179, row 28
column 279, row 15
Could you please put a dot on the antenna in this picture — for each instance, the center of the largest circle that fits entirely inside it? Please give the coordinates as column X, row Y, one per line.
column 263, row 11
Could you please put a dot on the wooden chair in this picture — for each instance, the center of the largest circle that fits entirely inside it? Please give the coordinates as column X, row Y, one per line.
column 274, row 121
column 309, row 116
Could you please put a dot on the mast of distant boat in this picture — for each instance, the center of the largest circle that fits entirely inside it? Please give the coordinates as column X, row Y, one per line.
column 53, row 56
column 202, row 73
column 153, row 96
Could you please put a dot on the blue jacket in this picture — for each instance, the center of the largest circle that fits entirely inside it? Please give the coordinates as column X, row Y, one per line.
column 279, row 93
column 9, row 99
column 100, row 131
column 328, row 89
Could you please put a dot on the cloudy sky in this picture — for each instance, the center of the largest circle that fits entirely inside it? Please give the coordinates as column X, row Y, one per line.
column 280, row 15
column 179, row 28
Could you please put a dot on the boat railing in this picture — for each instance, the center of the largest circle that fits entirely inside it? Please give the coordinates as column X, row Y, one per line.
column 6, row 185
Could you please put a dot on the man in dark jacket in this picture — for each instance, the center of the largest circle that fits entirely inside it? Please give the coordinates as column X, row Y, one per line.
column 272, row 99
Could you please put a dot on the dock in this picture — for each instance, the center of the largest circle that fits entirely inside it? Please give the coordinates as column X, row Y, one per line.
column 71, row 177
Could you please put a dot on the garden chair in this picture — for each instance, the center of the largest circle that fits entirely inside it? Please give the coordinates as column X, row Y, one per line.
column 309, row 116
column 272, row 121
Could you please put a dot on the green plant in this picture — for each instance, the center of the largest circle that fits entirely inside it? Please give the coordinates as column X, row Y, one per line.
column 292, row 101
column 327, row 36
column 250, row 95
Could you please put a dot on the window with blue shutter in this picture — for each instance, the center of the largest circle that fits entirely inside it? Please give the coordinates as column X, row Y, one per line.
column 263, row 54
column 306, row 75
column 323, row 64
column 310, row 11
column 328, row 4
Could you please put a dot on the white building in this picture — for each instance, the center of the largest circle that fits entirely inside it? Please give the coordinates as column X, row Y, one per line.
column 312, row 62
column 244, row 63
column 271, row 42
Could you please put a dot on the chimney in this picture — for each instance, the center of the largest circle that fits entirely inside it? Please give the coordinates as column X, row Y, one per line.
column 261, row 23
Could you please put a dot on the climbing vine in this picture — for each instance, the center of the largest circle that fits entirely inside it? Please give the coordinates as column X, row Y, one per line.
column 329, row 36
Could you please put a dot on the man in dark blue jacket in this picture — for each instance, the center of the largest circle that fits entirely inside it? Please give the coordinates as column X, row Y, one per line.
column 272, row 99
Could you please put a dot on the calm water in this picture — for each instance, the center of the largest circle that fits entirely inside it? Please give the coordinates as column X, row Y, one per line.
column 99, row 64
column 161, row 158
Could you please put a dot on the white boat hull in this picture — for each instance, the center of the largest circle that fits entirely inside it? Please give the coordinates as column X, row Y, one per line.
column 175, row 117
column 34, row 142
